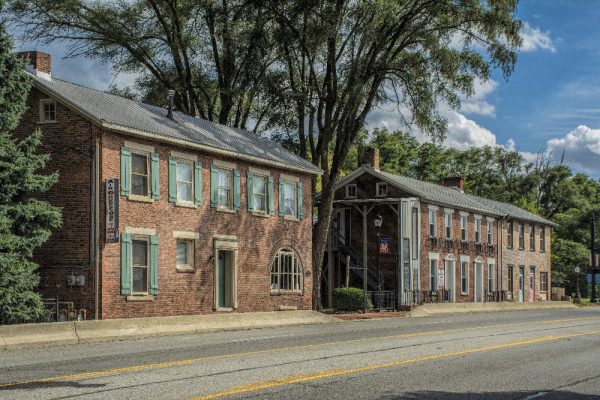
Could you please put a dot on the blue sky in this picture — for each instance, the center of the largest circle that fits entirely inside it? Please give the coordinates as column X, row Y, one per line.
column 551, row 101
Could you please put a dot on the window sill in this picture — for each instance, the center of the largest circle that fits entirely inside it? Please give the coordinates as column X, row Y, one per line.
column 185, row 269
column 47, row 122
column 260, row 214
column 290, row 218
column 185, row 205
column 285, row 293
column 138, row 297
column 225, row 210
column 224, row 309
column 141, row 199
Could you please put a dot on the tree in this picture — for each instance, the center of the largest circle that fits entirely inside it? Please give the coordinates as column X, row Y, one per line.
column 25, row 222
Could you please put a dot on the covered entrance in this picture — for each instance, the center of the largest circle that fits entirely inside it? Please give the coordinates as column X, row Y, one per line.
column 225, row 276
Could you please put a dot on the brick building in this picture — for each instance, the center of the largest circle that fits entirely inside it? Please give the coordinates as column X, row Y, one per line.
column 166, row 214
column 436, row 243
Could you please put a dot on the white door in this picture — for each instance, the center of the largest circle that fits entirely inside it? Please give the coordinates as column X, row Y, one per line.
column 478, row 282
column 450, row 281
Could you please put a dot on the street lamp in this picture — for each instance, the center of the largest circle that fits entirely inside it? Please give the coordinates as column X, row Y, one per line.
column 378, row 221
column 577, row 293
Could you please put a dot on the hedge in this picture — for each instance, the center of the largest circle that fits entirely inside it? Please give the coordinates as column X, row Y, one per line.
column 350, row 299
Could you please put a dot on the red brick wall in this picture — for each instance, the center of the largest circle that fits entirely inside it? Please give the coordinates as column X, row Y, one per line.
column 192, row 292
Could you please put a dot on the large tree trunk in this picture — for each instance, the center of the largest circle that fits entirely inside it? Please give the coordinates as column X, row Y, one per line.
column 320, row 233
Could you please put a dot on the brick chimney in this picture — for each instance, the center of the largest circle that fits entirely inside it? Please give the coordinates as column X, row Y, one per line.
column 455, row 182
column 369, row 156
column 38, row 63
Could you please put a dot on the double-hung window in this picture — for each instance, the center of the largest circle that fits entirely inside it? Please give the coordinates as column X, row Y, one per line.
column 184, row 254
column 532, row 237
column 224, row 188
column 448, row 225
column 511, row 277
column 543, row 239
column 510, row 236
column 260, row 193
column 490, row 278
column 185, row 181
column 543, row 281
column 490, row 232
column 381, row 189
column 464, row 277
column 521, row 236
column 477, row 230
column 433, row 271
column 140, row 172
column 140, row 175
column 463, row 228
column 48, row 110
column 140, row 264
column 289, row 199
column 432, row 223
column 286, row 272
column 225, row 181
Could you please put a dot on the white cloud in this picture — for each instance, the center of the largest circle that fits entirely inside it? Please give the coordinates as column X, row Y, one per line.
column 581, row 148
column 535, row 39
column 477, row 103
column 464, row 133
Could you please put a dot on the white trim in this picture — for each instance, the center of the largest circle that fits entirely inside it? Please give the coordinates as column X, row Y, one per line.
column 140, row 231
column 450, row 257
column 346, row 187
column 491, row 261
column 190, row 247
column 258, row 171
column 433, row 256
column 225, row 242
column 490, row 219
column 223, row 164
column 377, row 185
column 289, row 178
column 41, row 108
column 184, row 156
column 464, row 213
column 448, row 210
column 477, row 216
column 465, row 258
column 433, row 207
column 186, row 235
column 139, row 147
column 480, row 260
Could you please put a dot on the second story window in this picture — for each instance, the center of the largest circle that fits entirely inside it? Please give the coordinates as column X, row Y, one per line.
column 448, row 225
column 140, row 177
column 532, row 237
column 543, row 239
column 510, row 235
column 463, row 228
column 521, row 236
column 490, row 232
column 260, row 193
column 140, row 172
column 289, row 198
column 432, row 224
column 477, row 230
column 224, row 188
column 48, row 111
column 381, row 189
column 351, row 191
column 185, row 181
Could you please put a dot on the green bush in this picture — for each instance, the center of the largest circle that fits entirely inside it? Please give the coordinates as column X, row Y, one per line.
column 350, row 299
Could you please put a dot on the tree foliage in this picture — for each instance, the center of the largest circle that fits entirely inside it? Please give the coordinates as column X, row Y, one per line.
column 25, row 222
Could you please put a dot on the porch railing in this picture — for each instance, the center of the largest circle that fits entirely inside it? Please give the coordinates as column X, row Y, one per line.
column 496, row 295
column 383, row 299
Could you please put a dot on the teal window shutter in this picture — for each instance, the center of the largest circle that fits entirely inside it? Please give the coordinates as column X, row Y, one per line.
column 236, row 190
column 250, row 185
column 197, row 183
column 270, row 200
column 281, row 199
column 155, row 172
column 172, row 179
column 153, row 265
column 125, row 264
column 214, row 178
column 299, row 191
column 125, row 171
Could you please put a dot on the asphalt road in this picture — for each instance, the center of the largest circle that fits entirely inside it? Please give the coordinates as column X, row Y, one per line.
column 549, row 354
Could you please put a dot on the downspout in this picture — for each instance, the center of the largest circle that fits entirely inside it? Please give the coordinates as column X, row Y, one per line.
column 97, row 227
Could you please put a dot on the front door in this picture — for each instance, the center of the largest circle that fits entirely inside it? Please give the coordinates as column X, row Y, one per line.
column 224, row 280
column 450, row 282
column 521, row 284
column 478, row 282
column 532, row 284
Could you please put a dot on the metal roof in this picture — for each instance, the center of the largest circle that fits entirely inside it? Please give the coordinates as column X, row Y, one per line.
column 123, row 114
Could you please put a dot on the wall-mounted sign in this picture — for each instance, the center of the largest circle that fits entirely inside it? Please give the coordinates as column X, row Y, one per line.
column 384, row 244
column 112, row 210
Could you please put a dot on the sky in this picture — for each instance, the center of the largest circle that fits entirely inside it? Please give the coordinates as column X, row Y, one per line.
column 551, row 102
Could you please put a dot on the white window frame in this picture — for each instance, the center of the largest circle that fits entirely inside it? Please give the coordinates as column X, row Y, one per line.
column 229, row 172
column 189, row 253
column 490, row 232
column 521, row 236
column 448, row 224
column 464, row 231
column 43, row 103
column 294, row 185
column 433, row 272
column 379, row 185
column 265, row 195
column 148, row 155
column 347, row 190
column 141, row 238
column 543, row 239
column 543, row 273
column 192, row 192
column 491, row 268
column 295, row 276
column 532, row 237
column 464, row 264
column 432, row 223
column 477, row 229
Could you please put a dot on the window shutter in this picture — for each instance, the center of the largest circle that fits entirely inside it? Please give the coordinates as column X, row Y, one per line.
column 236, row 190
column 300, row 191
column 155, row 172
column 250, row 185
column 281, row 199
column 172, row 179
column 214, row 176
column 270, row 200
column 153, row 265
column 125, row 264
column 197, row 183
column 125, row 171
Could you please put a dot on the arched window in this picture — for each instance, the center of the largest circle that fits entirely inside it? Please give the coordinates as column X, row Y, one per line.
column 286, row 272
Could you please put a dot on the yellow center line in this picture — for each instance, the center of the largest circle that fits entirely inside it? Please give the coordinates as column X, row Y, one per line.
column 290, row 380
column 178, row 363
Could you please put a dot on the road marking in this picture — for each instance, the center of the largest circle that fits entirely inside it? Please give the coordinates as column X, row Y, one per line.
column 179, row 363
column 290, row 380
column 535, row 396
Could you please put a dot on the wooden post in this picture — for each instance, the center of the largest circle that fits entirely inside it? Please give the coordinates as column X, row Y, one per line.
column 347, row 271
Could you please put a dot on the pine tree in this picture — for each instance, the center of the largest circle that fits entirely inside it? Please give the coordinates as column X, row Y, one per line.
column 25, row 222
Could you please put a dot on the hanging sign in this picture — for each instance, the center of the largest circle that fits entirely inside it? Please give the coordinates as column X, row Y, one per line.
column 384, row 244
column 112, row 210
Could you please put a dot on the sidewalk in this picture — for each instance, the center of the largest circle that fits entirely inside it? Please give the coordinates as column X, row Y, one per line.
column 427, row 310
column 60, row 333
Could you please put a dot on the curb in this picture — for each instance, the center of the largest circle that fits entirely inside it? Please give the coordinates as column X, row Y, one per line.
column 61, row 333
column 470, row 308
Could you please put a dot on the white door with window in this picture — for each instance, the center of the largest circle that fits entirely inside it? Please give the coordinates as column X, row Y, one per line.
column 478, row 284
column 450, row 281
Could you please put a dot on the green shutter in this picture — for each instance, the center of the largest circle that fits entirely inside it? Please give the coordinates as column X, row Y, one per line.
column 172, row 179
column 155, row 172
column 154, row 265
column 197, row 183
column 214, row 177
column 300, row 201
column 250, row 185
column 236, row 190
column 125, row 264
column 281, row 199
column 125, row 171
column 270, row 200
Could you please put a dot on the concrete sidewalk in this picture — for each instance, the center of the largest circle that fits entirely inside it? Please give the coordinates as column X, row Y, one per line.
column 427, row 310
column 59, row 333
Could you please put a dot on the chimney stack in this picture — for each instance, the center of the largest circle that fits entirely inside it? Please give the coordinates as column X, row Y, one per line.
column 171, row 98
column 369, row 156
column 455, row 182
column 38, row 63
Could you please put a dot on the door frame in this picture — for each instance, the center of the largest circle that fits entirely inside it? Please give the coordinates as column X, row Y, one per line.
column 225, row 243
column 478, row 297
column 450, row 277
column 521, row 283
column 532, row 283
